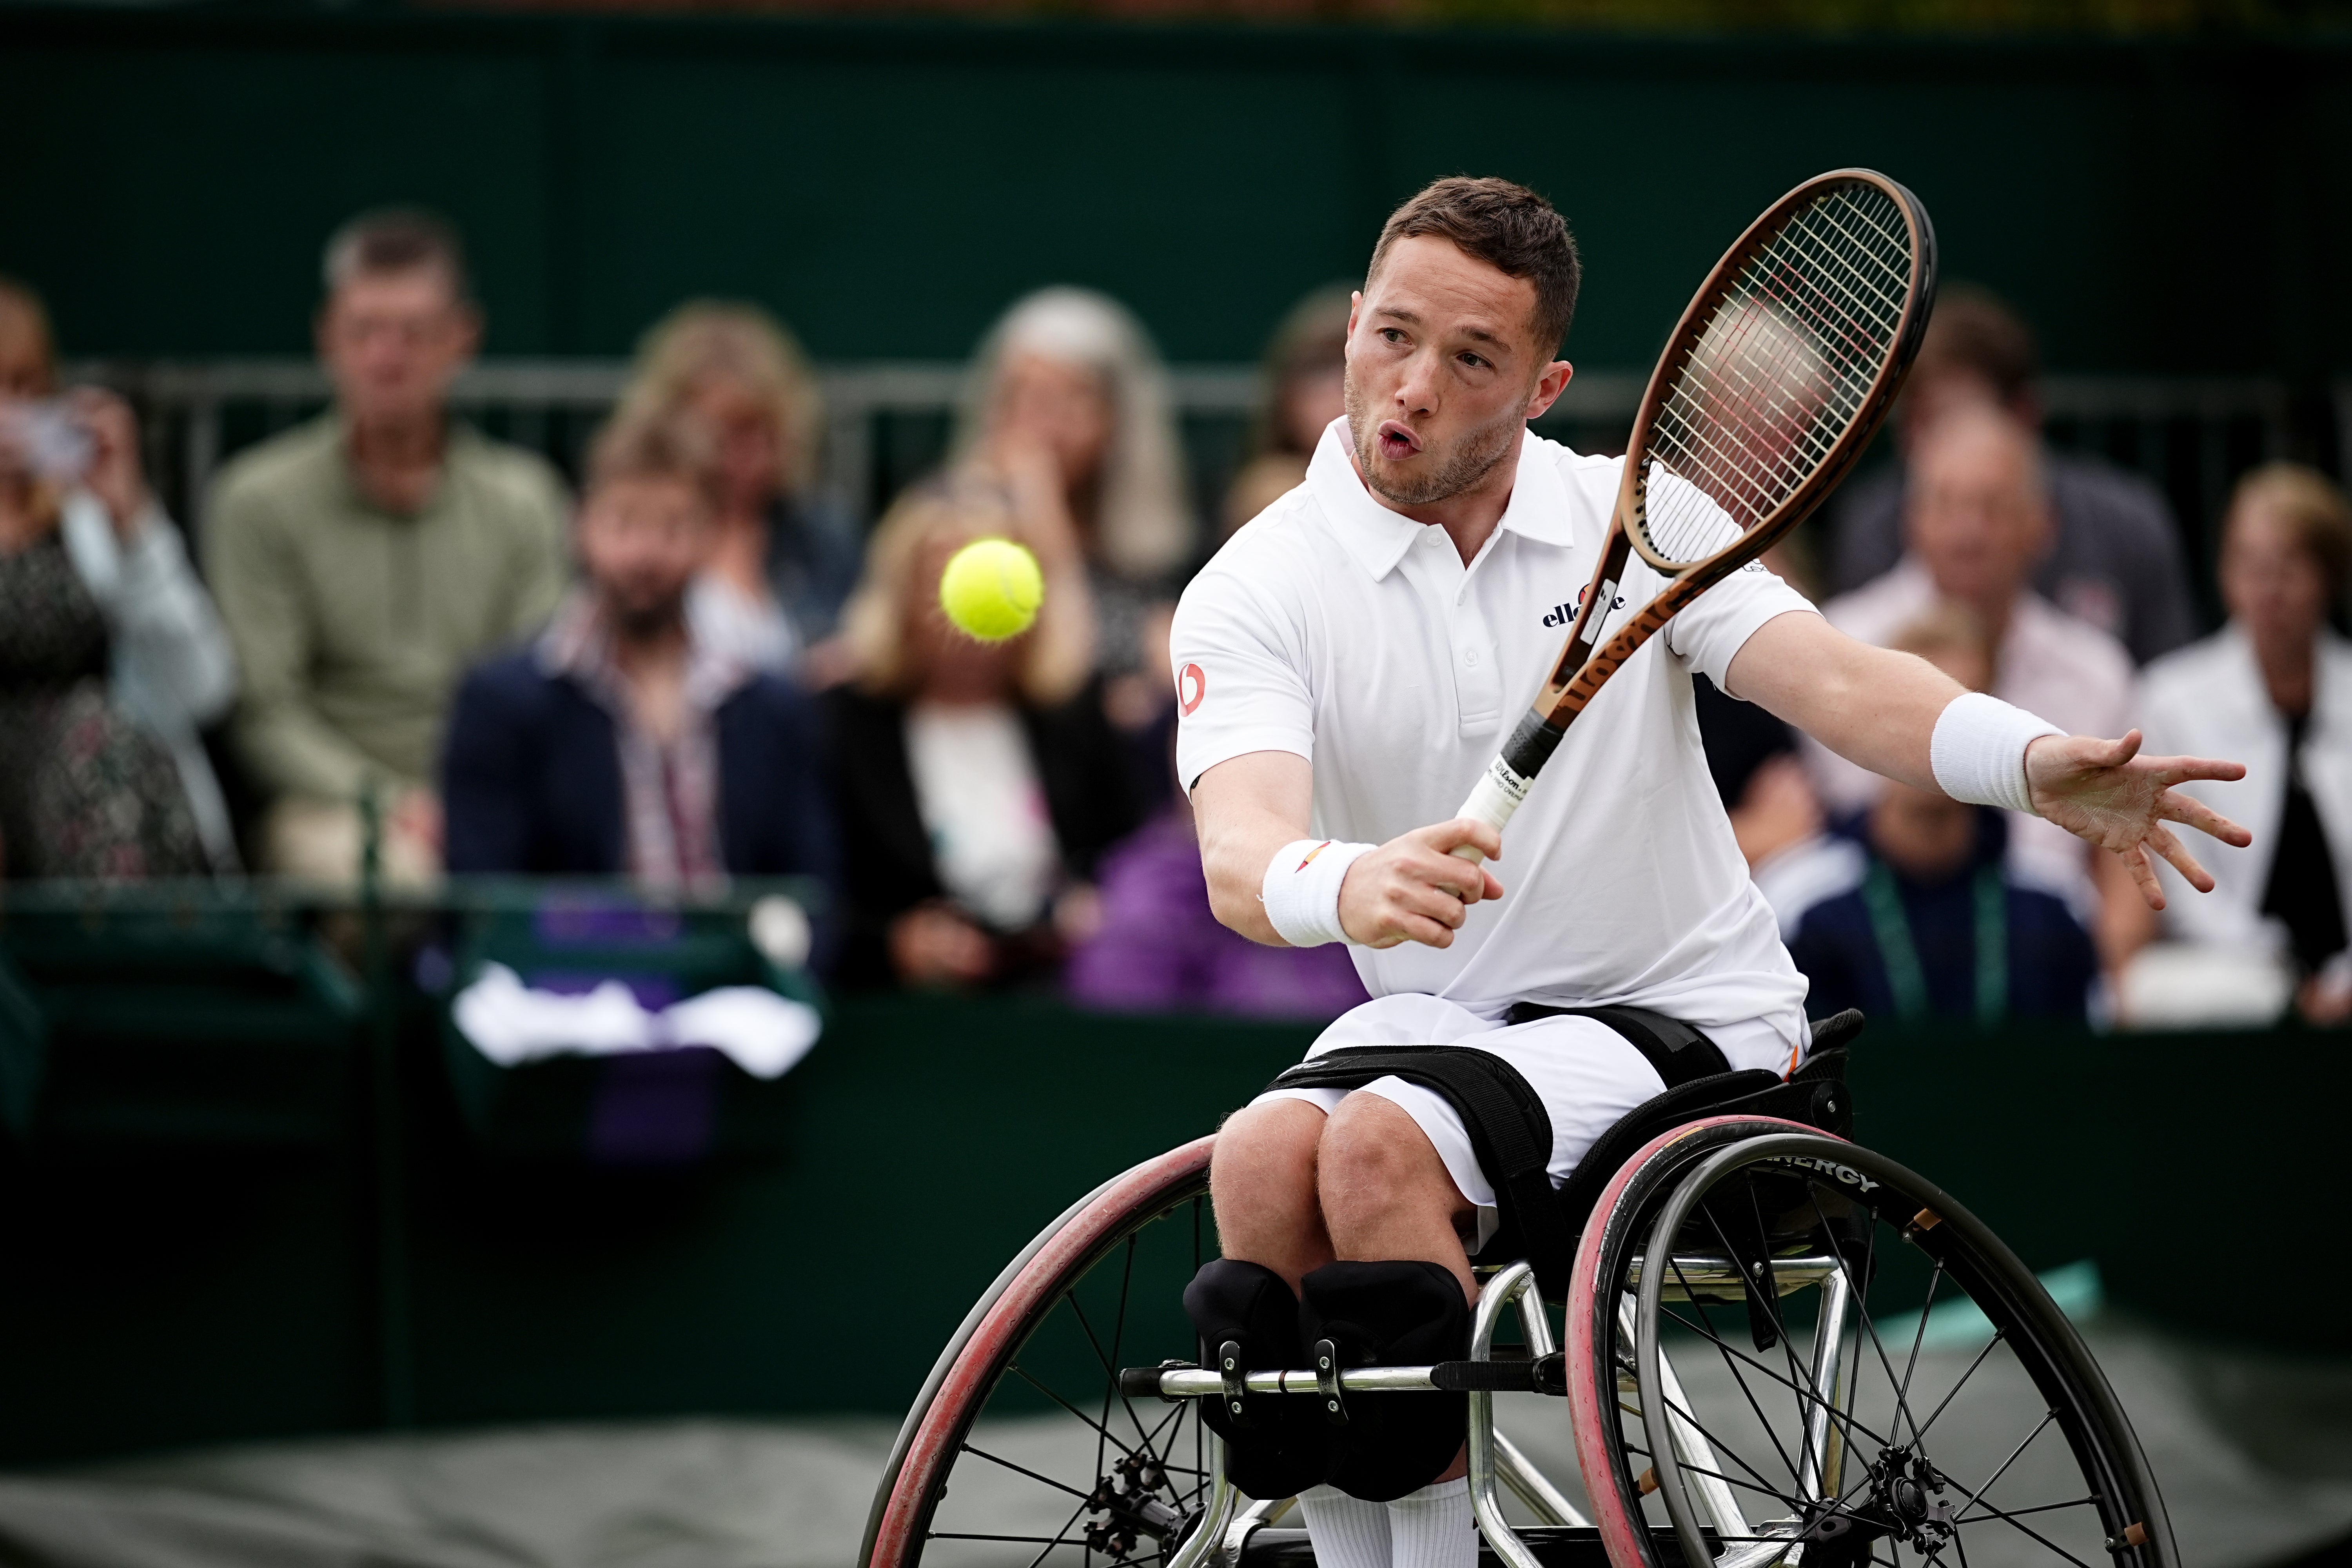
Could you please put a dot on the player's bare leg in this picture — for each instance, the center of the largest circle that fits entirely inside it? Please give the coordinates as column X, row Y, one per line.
column 1386, row 1194
column 1261, row 1184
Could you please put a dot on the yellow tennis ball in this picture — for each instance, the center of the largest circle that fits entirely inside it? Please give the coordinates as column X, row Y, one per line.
column 992, row 589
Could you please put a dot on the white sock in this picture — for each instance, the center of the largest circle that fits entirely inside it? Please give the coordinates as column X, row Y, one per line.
column 1346, row 1532
column 1434, row 1528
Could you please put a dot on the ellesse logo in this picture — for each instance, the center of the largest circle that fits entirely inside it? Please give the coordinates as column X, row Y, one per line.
column 1191, row 687
column 1562, row 614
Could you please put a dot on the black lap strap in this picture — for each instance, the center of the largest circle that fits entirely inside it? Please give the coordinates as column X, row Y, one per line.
column 1509, row 1131
column 1680, row 1054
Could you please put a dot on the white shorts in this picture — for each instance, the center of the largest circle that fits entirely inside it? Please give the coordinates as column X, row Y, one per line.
column 1584, row 1072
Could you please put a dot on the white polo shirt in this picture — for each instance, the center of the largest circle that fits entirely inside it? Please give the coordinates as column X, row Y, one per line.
column 1337, row 629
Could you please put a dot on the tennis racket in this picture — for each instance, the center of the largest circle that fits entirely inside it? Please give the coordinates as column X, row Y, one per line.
column 1776, row 378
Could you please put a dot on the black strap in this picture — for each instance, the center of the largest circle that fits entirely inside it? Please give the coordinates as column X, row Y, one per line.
column 1680, row 1054
column 1509, row 1131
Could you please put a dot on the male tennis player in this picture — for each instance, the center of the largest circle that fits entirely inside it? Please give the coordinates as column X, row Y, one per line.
column 1345, row 667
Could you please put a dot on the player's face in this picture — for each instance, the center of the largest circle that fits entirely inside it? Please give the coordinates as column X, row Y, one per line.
column 1442, row 372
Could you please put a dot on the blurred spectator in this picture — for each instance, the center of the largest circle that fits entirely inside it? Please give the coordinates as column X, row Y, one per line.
column 1305, row 388
column 1911, row 911
column 1069, row 415
column 785, row 560
column 2115, row 560
column 1160, row 948
column 111, row 656
column 979, row 782
column 1978, row 517
column 365, row 559
column 621, row 740
column 2274, row 687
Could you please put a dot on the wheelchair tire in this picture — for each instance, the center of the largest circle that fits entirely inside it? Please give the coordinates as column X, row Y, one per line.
column 1960, row 1366
column 1152, row 1218
column 1619, row 1224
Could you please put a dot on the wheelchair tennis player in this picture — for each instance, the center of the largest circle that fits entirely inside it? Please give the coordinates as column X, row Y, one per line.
column 1345, row 666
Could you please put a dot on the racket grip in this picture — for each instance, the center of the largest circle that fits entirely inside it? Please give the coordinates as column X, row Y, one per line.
column 1492, row 800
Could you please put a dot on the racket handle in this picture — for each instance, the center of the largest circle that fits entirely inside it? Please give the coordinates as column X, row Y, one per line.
column 1492, row 800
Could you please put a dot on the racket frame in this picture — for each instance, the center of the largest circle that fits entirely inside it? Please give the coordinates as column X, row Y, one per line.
column 1581, row 670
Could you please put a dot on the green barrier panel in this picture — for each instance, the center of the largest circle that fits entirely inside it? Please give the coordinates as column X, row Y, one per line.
column 196, row 1015
column 925, row 1140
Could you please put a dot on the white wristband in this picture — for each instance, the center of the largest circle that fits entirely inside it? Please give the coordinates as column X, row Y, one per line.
column 1301, row 892
column 1977, row 751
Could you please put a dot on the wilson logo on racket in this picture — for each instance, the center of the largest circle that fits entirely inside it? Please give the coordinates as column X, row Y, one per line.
column 1191, row 687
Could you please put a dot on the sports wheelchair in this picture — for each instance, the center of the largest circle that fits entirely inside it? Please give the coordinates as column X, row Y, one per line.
column 1780, row 1348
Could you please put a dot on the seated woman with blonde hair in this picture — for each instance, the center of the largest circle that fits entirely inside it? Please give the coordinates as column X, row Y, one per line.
column 977, row 783
column 2274, row 686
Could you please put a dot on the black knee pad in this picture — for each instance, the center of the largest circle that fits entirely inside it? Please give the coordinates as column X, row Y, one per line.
column 1276, row 1445
column 1391, row 1314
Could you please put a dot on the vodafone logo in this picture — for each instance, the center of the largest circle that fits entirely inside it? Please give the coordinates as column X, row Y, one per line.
column 1191, row 687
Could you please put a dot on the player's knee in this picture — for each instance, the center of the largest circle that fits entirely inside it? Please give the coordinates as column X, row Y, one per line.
column 1264, row 1165
column 1374, row 1158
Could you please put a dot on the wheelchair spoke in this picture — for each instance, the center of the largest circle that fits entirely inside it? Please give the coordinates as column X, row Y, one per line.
column 1851, row 1425
column 1110, row 1362
column 980, row 1453
column 2022, row 1512
column 1745, row 1392
column 1919, row 1336
column 1106, row 1433
column 1919, row 1433
column 2047, row 1417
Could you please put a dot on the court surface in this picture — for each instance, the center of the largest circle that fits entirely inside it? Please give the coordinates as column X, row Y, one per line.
column 2254, row 1454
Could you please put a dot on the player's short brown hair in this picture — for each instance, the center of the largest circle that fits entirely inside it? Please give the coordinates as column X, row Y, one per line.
column 1508, row 228
column 2309, row 503
column 1973, row 329
column 397, row 239
column 655, row 447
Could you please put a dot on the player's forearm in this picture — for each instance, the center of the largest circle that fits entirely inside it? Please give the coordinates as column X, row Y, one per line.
column 1870, row 705
column 1245, row 809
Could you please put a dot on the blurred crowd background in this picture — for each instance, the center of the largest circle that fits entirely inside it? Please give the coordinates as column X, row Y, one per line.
column 677, row 622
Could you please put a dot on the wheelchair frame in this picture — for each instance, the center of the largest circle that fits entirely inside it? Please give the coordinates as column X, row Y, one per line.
column 1708, row 1520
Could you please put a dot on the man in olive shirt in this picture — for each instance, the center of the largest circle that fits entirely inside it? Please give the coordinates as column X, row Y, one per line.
column 363, row 561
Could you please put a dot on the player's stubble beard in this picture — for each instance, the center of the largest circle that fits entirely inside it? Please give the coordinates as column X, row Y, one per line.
column 1474, row 454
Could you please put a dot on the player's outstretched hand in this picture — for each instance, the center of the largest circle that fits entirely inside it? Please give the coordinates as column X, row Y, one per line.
column 2104, row 791
column 1416, row 888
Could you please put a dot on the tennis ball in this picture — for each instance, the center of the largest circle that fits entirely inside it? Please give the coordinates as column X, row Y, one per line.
column 992, row 589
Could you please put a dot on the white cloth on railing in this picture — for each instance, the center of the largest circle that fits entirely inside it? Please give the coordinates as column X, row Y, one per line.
column 511, row 1022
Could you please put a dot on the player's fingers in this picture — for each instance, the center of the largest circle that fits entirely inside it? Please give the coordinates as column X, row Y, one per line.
column 1428, row 932
column 1494, row 889
column 1444, row 836
column 2143, row 875
column 1462, row 880
column 2174, row 770
column 2162, row 841
column 2191, row 812
column 1433, row 903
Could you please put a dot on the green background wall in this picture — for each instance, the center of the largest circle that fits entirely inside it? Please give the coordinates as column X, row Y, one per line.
column 222, row 1292
column 2158, row 207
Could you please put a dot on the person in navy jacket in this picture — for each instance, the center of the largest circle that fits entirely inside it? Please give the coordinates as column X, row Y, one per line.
column 616, row 744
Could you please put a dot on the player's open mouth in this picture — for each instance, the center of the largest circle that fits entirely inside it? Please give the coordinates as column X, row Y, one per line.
column 1398, row 440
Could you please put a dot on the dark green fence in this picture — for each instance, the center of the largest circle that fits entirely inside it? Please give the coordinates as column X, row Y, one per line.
column 164, row 1291
column 2158, row 207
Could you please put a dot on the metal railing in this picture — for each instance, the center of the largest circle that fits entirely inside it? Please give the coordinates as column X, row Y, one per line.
column 888, row 421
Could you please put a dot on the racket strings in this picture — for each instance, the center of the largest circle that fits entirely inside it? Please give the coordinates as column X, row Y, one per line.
column 1780, row 369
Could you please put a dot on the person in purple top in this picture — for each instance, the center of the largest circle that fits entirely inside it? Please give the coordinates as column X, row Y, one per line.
column 1160, row 948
